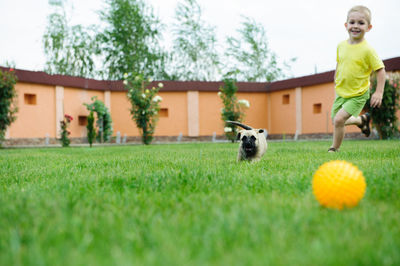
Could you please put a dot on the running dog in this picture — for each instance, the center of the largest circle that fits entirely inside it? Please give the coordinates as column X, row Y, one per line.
column 253, row 143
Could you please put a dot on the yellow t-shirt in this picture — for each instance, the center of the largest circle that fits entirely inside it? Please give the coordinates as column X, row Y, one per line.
column 355, row 62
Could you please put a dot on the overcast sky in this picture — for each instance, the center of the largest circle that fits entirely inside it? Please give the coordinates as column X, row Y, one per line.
column 308, row 30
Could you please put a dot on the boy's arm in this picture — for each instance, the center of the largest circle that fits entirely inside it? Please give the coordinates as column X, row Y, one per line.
column 376, row 98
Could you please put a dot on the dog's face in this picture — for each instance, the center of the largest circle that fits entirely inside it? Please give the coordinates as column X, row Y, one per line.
column 249, row 141
column 253, row 143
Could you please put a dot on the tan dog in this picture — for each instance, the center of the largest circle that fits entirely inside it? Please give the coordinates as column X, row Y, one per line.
column 253, row 143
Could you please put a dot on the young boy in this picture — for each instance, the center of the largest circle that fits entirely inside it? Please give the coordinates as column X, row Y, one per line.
column 356, row 60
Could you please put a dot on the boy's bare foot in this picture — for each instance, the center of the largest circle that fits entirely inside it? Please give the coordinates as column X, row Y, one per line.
column 365, row 129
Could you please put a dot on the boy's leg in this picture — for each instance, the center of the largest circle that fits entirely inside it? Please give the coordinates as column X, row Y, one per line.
column 362, row 122
column 339, row 122
column 338, row 133
column 345, row 112
column 354, row 106
column 354, row 121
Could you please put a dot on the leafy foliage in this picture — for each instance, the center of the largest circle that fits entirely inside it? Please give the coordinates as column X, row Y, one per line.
column 145, row 105
column 91, row 131
column 8, row 96
column 65, row 141
column 233, row 109
column 194, row 54
column 130, row 41
column 69, row 50
column 384, row 118
column 104, row 121
column 250, row 57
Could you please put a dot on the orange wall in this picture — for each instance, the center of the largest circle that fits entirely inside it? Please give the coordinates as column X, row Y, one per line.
column 172, row 125
column 210, row 114
column 121, row 116
column 210, row 105
column 34, row 121
column 267, row 110
column 317, row 122
column 73, row 106
column 283, row 116
column 256, row 115
column 177, row 120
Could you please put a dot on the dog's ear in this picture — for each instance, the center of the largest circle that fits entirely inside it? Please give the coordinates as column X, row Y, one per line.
column 238, row 136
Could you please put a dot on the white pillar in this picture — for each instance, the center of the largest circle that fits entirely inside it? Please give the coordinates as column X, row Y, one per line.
column 193, row 113
column 7, row 136
column 298, row 111
column 59, row 108
column 107, row 100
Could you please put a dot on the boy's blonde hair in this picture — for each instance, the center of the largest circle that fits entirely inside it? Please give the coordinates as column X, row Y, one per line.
column 362, row 9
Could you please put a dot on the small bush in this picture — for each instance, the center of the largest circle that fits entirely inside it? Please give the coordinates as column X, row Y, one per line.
column 8, row 96
column 64, row 130
column 91, row 132
column 233, row 109
column 145, row 104
column 384, row 119
column 104, row 121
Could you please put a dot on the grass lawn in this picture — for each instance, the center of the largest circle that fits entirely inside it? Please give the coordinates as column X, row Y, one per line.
column 192, row 204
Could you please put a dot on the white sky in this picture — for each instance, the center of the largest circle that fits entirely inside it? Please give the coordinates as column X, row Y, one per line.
column 308, row 30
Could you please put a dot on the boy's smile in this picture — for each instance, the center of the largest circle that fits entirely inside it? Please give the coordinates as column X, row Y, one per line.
column 357, row 25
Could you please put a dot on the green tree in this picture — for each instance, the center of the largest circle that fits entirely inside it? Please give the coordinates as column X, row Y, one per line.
column 194, row 55
column 130, row 41
column 8, row 97
column 68, row 50
column 249, row 55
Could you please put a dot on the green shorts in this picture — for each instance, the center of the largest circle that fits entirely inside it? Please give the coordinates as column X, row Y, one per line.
column 353, row 105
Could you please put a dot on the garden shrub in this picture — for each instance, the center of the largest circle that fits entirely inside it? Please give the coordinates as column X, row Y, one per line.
column 104, row 122
column 91, row 131
column 233, row 109
column 64, row 130
column 145, row 104
column 8, row 103
column 384, row 119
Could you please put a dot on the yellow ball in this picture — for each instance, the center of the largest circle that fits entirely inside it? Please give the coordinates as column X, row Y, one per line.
column 338, row 184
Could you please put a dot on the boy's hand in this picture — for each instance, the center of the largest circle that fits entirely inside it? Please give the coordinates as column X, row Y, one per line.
column 376, row 100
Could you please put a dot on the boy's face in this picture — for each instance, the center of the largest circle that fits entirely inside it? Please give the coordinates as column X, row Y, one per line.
column 357, row 25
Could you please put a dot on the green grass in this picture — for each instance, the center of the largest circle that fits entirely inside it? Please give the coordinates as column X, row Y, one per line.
column 192, row 204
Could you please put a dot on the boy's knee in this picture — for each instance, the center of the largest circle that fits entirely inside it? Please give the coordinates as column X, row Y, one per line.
column 339, row 121
column 340, row 118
